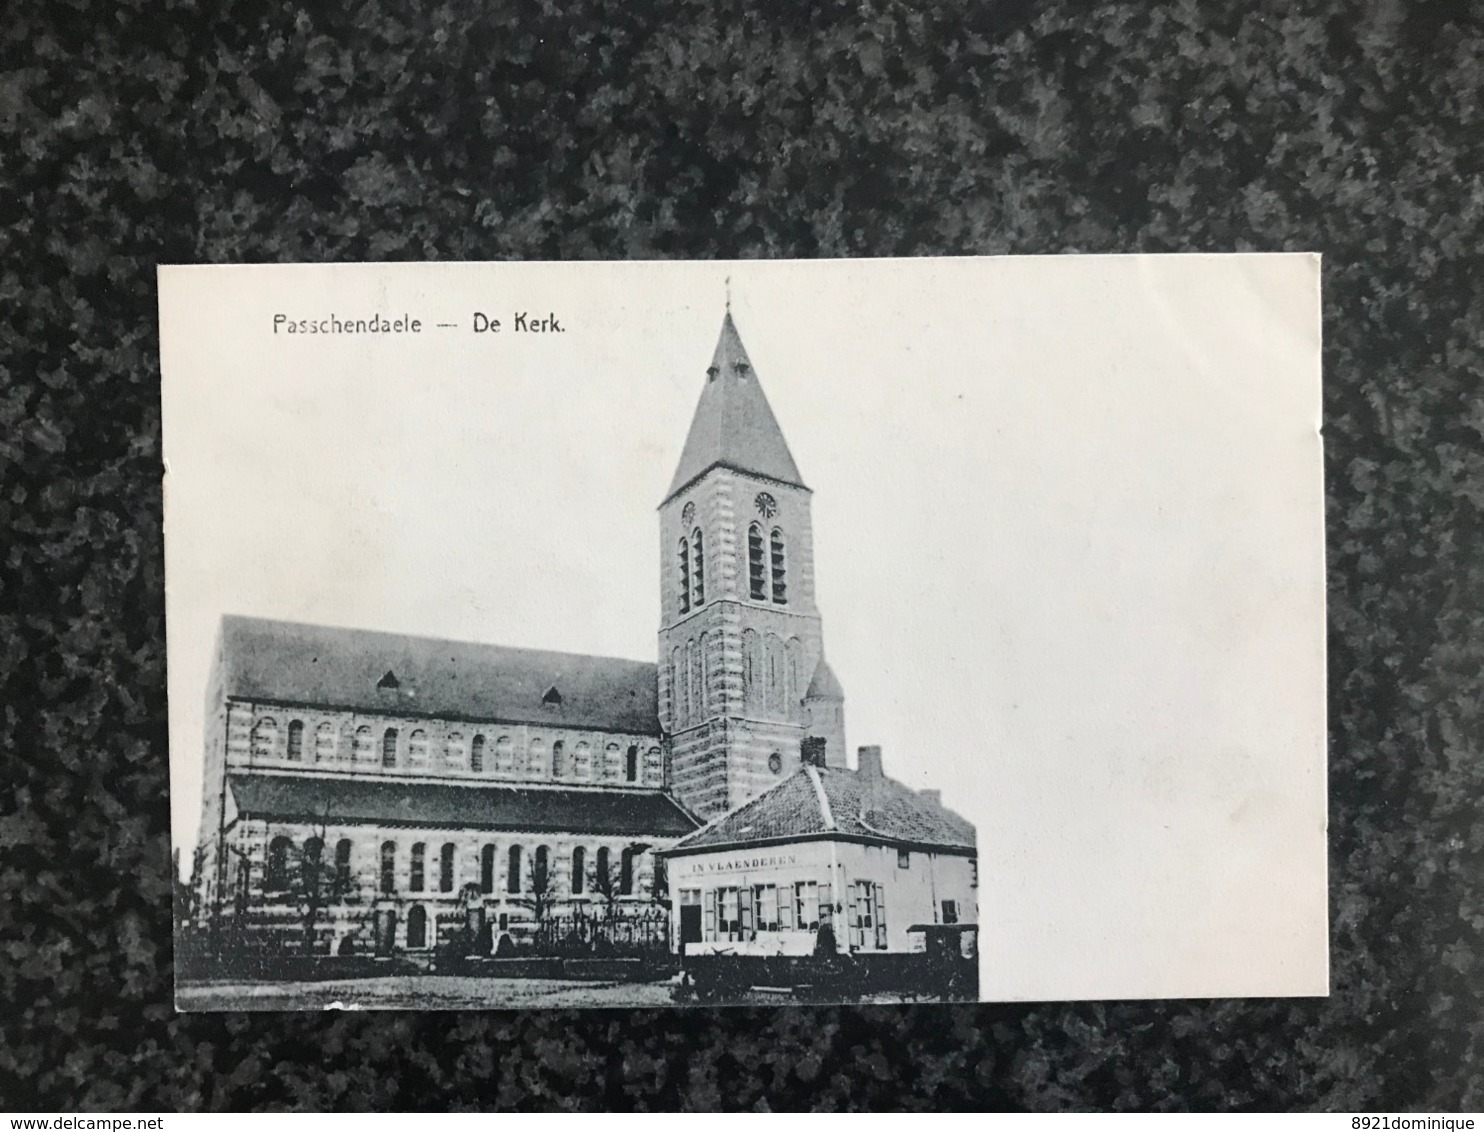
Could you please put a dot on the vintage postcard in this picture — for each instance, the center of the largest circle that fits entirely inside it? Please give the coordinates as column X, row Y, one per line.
column 647, row 633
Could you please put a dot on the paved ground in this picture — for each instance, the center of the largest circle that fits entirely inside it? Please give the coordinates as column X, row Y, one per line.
column 420, row 992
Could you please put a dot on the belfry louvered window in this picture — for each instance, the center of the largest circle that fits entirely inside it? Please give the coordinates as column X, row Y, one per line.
column 684, row 575
column 780, row 579
column 698, row 569
column 756, row 576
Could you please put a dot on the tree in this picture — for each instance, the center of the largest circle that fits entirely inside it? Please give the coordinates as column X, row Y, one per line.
column 315, row 883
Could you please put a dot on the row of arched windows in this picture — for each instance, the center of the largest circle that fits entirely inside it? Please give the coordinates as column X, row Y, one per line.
column 692, row 571
column 690, row 681
column 514, row 872
column 285, row 865
column 767, row 576
column 770, row 672
column 478, row 756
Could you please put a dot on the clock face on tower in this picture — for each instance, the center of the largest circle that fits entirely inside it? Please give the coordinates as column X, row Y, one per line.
column 767, row 506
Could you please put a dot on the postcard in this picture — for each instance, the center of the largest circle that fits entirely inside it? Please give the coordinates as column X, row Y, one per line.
column 693, row 633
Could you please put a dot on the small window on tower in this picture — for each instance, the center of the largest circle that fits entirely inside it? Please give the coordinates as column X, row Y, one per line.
column 756, row 571
column 698, row 569
column 780, row 577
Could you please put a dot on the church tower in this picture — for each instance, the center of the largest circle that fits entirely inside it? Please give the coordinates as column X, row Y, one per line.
column 742, row 675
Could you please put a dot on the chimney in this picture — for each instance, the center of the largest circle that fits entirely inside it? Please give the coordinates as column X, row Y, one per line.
column 933, row 796
column 811, row 751
column 868, row 762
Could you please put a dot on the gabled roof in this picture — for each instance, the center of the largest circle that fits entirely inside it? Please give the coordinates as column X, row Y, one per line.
column 823, row 802
column 734, row 425
column 289, row 662
column 597, row 811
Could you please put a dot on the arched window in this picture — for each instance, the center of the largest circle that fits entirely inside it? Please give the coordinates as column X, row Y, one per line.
column 264, row 737
column 417, row 927
column 361, row 749
column 684, row 575
column 487, row 869
column 296, row 741
column 610, row 761
column 342, row 864
column 389, row 747
column 324, row 743
column 780, row 578
column 686, row 682
column 579, row 858
column 752, row 670
column 793, row 693
column 600, row 868
column 558, row 759
column 757, row 581
column 677, row 675
column 631, row 763
column 504, row 755
column 582, row 761
column 314, row 851
column 445, row 867
column 388, row 866
column 512, row 876
column 536, row 765
column 697, row 569
column 540, row 863
column 773, row 675
column 703, row 677
column 454, row 751
column 415, row 881
column 276, row 875
column 626, row 872
column 654, row 766
column 417, row 748
column 476, row 755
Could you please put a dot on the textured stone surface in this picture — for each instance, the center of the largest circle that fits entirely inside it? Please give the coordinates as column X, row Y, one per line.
column 134, row 133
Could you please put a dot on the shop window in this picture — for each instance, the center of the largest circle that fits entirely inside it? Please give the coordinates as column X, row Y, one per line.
column 806, row 905
column 765, row 907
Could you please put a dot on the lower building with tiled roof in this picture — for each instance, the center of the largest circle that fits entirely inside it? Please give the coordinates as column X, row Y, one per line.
column 854, row 852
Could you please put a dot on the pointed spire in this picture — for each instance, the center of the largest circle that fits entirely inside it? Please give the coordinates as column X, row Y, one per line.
column 734, row 425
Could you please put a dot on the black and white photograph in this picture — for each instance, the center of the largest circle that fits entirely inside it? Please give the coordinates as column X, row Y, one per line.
column 667, row 634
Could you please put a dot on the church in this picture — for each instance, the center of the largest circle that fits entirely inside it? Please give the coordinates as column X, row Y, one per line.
column 369, row 793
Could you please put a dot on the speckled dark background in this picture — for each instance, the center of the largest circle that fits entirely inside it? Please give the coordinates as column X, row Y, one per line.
column 153, row 131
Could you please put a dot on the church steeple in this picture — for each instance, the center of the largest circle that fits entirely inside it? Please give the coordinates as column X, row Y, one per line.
column 734, row 426
column 742, row 680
